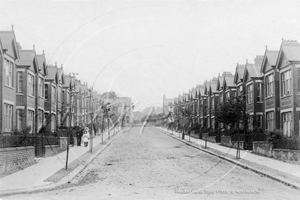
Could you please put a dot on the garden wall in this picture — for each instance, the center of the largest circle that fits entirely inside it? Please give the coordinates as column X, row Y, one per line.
column 15, row 157
column 266, row 149
column 51, row 150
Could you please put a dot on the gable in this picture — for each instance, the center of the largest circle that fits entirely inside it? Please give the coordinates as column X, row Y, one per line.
column 283, row 61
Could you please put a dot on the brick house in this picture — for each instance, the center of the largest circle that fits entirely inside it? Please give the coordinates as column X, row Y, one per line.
column 27, row 73
column 82, row 103
column 194, row 99
column 238, row 80
column 271, row 90
column 51, row 81
column 288, row 67
column 59, row 94
column 253, row 79
column 205, row 105
column 67, row 101
column 40, row 91
column 201, row 113
column 213, row 98
column 226, row 88
column 9, row 55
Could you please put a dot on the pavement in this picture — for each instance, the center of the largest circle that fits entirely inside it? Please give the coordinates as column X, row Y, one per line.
column 286, row 173
column 33, row 178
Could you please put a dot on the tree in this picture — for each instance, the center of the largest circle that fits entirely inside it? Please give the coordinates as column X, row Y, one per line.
column 233, row 112
column 109, row 95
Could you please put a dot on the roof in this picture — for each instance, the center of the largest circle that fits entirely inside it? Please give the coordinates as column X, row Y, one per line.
column 193, row 93
column 291, row 49
column 239, row 73
column 253, row 70
column 270, row 57
column 229, row 81
column 52, row 72
column 60, row 74
column 213, row 84
column 1, row 47
column 8, row 39
column 26, row 57
column 42, row 63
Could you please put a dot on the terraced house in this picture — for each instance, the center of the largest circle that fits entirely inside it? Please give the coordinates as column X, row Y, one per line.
column 288, row 68
column 51, row 82
column 271, row 90
column 27, row 96
column 253, row 79
column 40, row 91
column 9, row 55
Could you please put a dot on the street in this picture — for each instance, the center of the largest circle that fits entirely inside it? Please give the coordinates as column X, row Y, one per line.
column 147, row 164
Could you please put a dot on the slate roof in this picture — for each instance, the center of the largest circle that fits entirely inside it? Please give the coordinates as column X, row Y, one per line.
column 193, row 93
column 229, row 81
column 26, row 57
column 253, row 70
column 41, row 59
column 6, row 38
column 60, row 73
column 291, row 50
column 272, row 57
column 52, row 72
column 239, row 72
column 213, row 84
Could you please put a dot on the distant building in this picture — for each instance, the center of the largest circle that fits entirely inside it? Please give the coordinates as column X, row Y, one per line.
column 168, row 105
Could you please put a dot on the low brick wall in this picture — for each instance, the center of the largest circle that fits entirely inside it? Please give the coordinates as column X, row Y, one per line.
column 14, row 157
column 51, row 150
column 262, row 148
column 226, row 141
column 286, row 154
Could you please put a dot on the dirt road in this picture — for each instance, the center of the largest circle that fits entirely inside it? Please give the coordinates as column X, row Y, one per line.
column 147, row 164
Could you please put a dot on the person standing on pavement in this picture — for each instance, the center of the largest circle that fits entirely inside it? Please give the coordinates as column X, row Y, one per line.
column 79, row 134
column 86, row 136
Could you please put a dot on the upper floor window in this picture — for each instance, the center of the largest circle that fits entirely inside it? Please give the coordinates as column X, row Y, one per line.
column 259, row 92
column 8, row 73
column 40, row 87
column 286, row 83
column 53, row 94
column 249, row 93
column 20, row 82
column 212, row 102
column 241, row 90
column 269, row 85
column 46, row 91
column 30, row 84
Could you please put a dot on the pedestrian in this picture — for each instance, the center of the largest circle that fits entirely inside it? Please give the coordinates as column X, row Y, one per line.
column 78, row 135
column 86, row 136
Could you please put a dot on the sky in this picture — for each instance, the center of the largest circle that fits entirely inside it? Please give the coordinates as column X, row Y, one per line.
column 145, row 49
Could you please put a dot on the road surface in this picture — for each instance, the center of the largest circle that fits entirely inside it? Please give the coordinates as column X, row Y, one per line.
column 147, row 164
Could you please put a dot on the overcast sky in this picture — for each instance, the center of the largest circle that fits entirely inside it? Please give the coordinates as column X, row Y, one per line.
column 144, row 49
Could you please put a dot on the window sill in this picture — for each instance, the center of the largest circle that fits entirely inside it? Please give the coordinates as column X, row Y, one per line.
column 20, row 93
column 31, row 96
column 286, row 96
column 10, row 87
column 269, row 97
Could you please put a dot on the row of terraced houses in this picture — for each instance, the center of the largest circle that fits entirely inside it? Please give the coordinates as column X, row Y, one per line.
column 34, row 93
column 271, row 85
